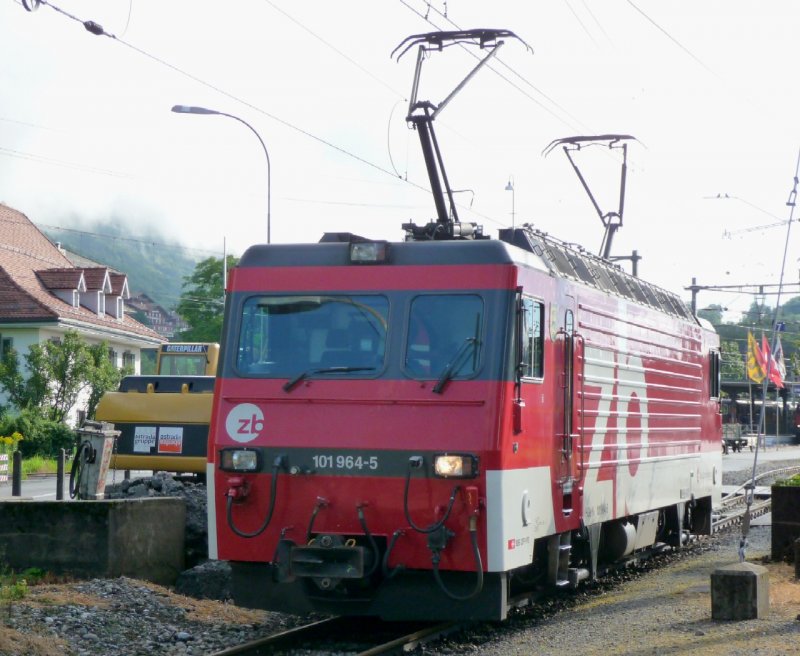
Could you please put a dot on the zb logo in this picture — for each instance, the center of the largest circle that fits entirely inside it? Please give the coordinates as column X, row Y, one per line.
column 245, row 422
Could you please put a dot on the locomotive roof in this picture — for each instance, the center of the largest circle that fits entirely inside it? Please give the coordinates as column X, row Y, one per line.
column 520, row 245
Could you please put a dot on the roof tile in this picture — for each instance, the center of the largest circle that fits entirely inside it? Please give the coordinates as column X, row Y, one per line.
column 30, row 266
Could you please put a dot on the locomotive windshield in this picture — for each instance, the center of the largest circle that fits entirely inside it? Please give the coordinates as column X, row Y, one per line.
column 283, row 335
column 439, row 335
column 444, row 335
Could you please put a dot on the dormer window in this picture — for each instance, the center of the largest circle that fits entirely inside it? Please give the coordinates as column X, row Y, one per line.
column 98, row 284
column 66, row 284
column 115, row 301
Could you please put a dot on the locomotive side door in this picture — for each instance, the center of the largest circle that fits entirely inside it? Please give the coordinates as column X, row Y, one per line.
column 569, row 344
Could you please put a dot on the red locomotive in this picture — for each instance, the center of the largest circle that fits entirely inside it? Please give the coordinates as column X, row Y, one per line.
column 435, row 428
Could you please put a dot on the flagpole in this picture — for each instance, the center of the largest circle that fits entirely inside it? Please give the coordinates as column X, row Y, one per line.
column 750, row 487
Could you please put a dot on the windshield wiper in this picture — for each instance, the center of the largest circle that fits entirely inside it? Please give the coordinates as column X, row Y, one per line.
column 469, row 344
column 290, row 384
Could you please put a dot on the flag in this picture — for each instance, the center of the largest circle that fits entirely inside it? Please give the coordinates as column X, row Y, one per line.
column 755, row 360
column 770, row 362
column 779, row 358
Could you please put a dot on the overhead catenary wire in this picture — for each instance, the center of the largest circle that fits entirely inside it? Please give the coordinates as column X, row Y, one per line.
column 671, row 38
column 575, row 125
column 363, row 69
column 10, row 152
column 146, row 242
column 98, row 30
column 580, row 22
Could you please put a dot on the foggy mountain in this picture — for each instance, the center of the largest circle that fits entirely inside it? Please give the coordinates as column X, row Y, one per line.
column 153, row 266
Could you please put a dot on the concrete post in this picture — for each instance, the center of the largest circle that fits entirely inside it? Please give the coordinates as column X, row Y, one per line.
column 62, row 457
column 16, row 476
column 740, row 592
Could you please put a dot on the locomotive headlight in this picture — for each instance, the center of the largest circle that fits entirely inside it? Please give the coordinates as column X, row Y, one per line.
column 240, row 460
column 368, row 252
column 455, row 465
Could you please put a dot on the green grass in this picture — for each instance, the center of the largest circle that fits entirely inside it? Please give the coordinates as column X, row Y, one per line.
column 36, row 465
column 39, row 465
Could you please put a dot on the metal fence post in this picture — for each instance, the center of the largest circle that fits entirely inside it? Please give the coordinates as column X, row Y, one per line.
column 16, row 478
column 62, row 457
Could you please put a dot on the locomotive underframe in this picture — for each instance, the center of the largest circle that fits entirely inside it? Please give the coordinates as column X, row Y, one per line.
column 559, row 561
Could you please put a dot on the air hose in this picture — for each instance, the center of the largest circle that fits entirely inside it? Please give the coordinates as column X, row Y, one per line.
column 476, row 552
column 435, row 558
column 376, row 556
column 389, row 573
column 83, row 456
column 272, row 492
column 436, row 525
column 321, row 503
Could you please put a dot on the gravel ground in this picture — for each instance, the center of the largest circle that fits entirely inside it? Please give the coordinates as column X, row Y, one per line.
column 664, row 610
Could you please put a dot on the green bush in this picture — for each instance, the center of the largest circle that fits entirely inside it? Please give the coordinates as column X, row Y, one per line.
column 40, row 437
column 794, row 481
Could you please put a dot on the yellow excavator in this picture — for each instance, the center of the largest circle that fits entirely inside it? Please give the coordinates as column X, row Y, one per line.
column 163, row 418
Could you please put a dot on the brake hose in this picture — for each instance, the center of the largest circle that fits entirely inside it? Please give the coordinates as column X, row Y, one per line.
column 82, row 455
column 473, row 535
column 272, row 491
column 389, row 573
column 373, row 545
column 436, row 525
column 321, row 503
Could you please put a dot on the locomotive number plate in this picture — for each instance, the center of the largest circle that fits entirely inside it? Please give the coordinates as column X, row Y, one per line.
column 328, row 462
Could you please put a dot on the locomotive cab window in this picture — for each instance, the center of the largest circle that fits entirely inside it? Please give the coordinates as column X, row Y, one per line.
column 444, row 336
column 281, row 336
column 532, row 329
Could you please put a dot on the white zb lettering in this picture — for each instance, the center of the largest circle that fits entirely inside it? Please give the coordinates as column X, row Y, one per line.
column 245, row 422
column 252, row 425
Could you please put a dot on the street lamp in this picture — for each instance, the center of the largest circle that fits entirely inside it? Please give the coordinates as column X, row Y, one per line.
column 187, row 109
column 510, row 187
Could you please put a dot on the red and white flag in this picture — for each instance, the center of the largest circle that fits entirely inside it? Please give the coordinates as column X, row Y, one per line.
column 776, row 371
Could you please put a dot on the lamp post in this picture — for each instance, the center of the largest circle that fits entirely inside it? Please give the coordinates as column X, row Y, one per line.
column 188, row 109
column 510, row 187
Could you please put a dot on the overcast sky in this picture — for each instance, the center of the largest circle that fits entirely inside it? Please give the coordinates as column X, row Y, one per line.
column 708, row 89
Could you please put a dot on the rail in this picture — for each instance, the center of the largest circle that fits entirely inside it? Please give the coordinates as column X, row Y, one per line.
column 733, row 507
column 383, row 637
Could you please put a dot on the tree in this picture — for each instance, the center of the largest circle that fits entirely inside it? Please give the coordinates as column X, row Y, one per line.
column 103, row 376
column 713, row 314
column 59, row 371
column 732, row 361
column 202, row 301
column 12, row 380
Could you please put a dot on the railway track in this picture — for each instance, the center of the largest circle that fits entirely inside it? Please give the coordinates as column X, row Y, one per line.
column 346, row 635
column 734, row 506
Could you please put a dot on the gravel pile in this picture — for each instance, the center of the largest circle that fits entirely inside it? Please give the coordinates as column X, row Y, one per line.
column 125, row 617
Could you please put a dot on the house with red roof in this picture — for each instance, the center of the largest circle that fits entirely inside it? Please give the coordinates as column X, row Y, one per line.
column 42, row 295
